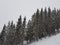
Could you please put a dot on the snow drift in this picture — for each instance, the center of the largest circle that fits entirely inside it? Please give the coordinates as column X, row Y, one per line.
column 53, row 40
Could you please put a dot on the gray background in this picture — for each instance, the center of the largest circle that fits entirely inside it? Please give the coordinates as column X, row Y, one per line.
column 11, row 9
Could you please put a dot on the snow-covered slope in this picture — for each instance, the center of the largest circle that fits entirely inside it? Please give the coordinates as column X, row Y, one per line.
column 53, row 40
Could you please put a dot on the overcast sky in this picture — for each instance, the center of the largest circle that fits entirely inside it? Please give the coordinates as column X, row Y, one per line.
column 11, row 9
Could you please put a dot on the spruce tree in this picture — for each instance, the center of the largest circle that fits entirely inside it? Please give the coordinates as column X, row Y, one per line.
column 29, row 32
column 58, row 20
column 33, row 23
column 11, row 34
column 6, row 38
column 36, row 25
column 18, row 32
column 23, row 30
column 41, row 23
column 3, row 34
column 45, row 22
column 54, row 15
column 49, row 22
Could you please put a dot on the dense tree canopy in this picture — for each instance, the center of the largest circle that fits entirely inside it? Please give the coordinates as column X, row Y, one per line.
column 43, row 23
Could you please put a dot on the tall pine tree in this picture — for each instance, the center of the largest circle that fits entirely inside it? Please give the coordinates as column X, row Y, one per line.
column 18, row 32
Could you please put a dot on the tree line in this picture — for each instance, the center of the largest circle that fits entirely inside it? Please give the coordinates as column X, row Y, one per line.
column 42, row 24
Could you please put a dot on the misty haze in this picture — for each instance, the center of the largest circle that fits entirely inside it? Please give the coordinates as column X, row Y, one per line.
column 29, row 22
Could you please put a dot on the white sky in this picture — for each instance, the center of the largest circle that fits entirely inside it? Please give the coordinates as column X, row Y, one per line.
column 11, row 9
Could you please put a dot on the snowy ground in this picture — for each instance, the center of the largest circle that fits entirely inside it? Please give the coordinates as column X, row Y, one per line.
column 53, row 40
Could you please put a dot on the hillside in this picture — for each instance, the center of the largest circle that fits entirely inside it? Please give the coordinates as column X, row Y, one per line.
column 53, row 40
